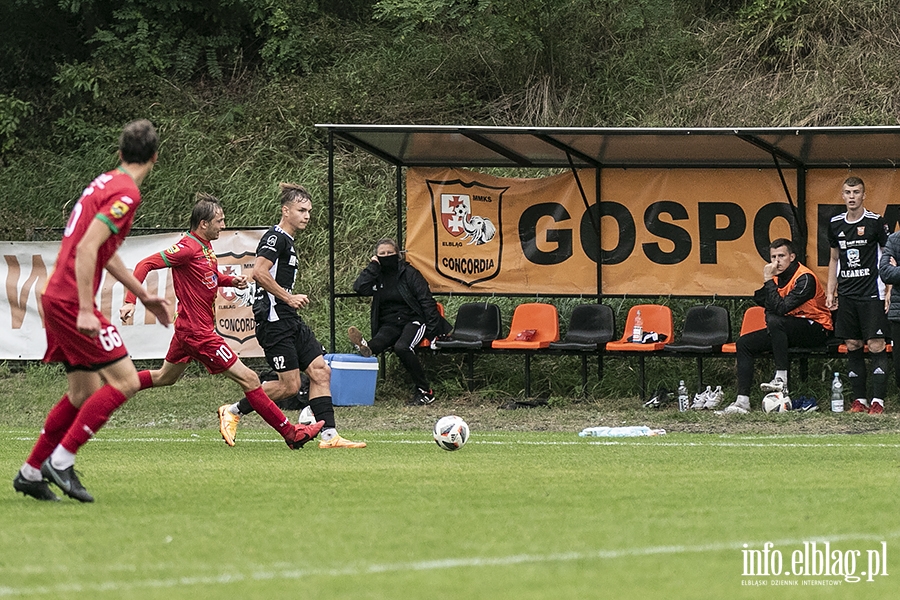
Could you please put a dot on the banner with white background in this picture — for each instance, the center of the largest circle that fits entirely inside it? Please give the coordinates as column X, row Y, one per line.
column 26, row 266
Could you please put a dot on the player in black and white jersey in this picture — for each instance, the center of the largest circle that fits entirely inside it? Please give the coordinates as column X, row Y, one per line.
column 289, row 344
column 856, row 239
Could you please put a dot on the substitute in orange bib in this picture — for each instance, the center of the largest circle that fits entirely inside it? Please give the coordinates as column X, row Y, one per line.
column 796, row 316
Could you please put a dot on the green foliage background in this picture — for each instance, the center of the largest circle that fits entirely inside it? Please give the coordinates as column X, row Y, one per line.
column 236, row 86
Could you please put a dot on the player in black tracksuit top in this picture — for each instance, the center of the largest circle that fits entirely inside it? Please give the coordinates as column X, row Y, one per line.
column 856, row 238
column 289, row 344
column 403, row 313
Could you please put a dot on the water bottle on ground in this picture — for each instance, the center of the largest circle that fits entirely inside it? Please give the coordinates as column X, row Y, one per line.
column 683, row 401
column 637, row 333
column 837, row 394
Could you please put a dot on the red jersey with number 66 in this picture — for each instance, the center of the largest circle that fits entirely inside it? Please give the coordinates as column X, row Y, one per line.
column 112, row 198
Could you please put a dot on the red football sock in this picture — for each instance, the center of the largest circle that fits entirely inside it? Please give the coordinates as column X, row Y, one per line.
column 145, row 379
column 270, row 413
column 93, row 415
column 58, row 421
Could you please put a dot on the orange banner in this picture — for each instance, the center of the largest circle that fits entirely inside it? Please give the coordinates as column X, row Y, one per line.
column 680, row 232
column 662, row 231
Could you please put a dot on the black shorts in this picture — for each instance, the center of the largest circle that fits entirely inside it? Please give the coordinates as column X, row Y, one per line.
column 289, row 344
column 861, row 319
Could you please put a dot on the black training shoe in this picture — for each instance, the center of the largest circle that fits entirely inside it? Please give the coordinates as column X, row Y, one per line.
column 660, row 397
column 67, row 481
column 39, row 490
column 421, row 398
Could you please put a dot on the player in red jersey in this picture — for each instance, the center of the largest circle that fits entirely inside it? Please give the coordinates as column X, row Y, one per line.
column 100, row 374
column 196, row 278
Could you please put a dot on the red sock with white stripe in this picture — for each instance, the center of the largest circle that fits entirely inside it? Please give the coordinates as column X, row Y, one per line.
column 270, row 413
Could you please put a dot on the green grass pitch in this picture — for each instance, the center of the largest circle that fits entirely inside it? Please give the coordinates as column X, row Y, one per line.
column 511, row 515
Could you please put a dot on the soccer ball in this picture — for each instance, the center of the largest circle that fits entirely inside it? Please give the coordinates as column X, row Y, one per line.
column 776, row 402
column 451, row 432
column 307, row 417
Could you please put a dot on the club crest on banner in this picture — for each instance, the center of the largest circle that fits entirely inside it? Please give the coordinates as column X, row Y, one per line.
column 234, row 319
column 468, row 234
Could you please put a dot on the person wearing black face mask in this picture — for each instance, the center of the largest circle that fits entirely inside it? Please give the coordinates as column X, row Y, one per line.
column 403, row 313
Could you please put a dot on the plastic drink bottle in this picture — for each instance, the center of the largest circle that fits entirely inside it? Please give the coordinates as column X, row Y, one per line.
column 637, row 334
column 683, row 401
column 837, row 394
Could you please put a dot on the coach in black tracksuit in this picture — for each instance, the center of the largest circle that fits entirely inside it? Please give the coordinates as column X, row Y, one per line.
column 403, row 312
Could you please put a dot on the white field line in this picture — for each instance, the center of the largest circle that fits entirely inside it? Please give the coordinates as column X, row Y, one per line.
column 634, row 441
column 276, row 572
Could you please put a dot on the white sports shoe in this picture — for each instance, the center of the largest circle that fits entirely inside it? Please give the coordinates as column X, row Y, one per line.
column 734, row 409
column 713, row 398
column 701, row 398
column 776, row 385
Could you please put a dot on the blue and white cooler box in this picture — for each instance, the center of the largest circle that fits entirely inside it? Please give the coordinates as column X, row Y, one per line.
column 353, row 379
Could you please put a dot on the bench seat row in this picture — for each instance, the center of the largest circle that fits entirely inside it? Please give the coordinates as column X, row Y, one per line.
column 592, row 332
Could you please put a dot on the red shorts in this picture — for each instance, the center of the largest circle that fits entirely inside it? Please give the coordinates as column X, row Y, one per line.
column 67, row 345
column 207, row 347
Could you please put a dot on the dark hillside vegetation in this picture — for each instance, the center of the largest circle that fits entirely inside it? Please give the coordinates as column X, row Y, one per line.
column 236, row 86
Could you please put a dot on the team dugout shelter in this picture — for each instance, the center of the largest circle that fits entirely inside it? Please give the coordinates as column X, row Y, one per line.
column 643, row 212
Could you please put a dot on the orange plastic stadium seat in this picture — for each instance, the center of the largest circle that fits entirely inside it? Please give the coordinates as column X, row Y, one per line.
column 534, row 326
column 657, row 318
column 754, row 320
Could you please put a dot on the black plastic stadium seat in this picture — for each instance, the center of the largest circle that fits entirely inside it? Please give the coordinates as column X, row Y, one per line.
column 477, row 325
column 590, row 327
column 706, row 329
